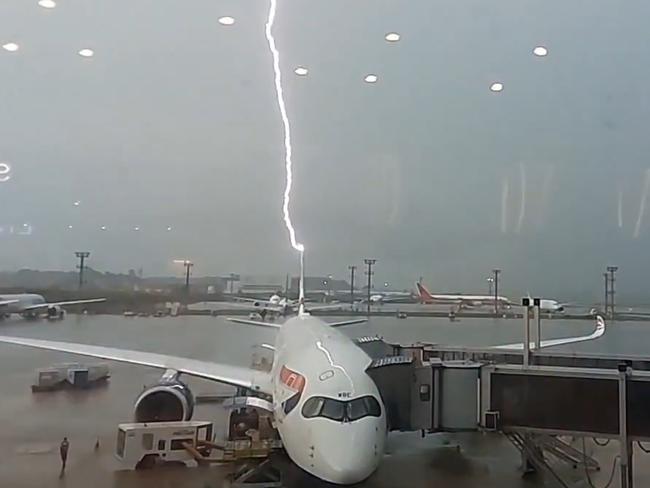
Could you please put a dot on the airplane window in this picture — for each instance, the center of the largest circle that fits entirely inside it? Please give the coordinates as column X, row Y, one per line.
column 372, row 405
column 366, row 406
column 291, row 403
column 333, row 409
column 352, row 410
column 357, row 409
column 312, row 407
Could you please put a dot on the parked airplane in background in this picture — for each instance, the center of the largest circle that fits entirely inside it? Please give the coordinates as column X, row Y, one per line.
column 390, row 297
column 551, row 306
column 30, row 305
column 281, row 306
column 327, row 410
column 461, row 300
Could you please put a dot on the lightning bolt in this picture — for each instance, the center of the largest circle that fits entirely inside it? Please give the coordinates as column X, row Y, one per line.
column 287, row 128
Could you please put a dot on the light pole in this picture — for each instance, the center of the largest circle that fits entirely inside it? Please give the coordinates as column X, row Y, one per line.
column 490, row 280
column 606, row 276
column 188, row 266
column 328, row 283
column 612, row 289
column 82, row 255
column 369, row 263
column 496, row 272
column 352, row 269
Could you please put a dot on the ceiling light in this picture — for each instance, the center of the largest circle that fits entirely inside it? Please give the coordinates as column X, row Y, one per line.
column 371, row 78
column 301, row 71
column 540, row 51
column 12, row 47
column 86, row 53
column 47, row 3
column 392, row 37
column 226, row 20
column 496, row 87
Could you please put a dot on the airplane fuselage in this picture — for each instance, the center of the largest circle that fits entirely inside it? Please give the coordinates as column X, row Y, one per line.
column 470, row 300
column 328, row 411
column 550, row 306
column 23, row 300
column 429, row 298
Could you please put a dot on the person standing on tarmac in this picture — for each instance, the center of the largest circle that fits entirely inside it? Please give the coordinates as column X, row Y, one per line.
column 63, row 451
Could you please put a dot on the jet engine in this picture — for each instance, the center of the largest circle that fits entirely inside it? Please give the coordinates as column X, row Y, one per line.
column 55, row 312
column 169, row 400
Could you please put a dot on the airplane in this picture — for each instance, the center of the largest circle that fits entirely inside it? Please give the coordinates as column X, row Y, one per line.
column 29, row 305
column 281, row 306
column 327, row 410
column 389, row 297
column 427, row 297
column 551, row 306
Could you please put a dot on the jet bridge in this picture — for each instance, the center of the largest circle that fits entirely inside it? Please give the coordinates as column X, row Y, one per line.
column 533, row 405
column 428, row 396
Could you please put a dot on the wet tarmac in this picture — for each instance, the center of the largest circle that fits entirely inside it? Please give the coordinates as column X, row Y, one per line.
column 32, row 425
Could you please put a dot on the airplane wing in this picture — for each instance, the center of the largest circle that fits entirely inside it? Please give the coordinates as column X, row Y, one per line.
column 254, row 322
column 316, row 308
column 222, row 373
column 277, row 326
column 7, row 302
column 598, row 332
column 397, row 298
column 253, row 308
column 346, row 322
column 256, row 302
column 61, row 304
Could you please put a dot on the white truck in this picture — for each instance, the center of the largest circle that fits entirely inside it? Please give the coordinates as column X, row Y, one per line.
column 143, row 445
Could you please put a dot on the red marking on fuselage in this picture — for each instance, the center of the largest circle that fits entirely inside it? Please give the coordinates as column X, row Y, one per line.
column 294, row 381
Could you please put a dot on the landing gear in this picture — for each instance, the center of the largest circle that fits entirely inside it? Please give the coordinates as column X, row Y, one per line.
column 55, row 313
column 255, row 475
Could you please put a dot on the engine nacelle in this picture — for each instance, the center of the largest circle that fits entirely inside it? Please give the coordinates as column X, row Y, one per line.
column 55, row 312
column 170, row 400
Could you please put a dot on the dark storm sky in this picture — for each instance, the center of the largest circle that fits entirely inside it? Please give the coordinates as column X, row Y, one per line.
column 174, row 122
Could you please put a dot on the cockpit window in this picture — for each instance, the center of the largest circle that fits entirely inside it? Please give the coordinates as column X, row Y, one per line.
column 363, row 407
column 358, row 408
column 333, row 409
column 291, row 403
column 313, row 407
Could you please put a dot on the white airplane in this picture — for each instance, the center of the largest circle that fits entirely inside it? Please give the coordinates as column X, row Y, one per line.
column 552, row 306
column 30, row 305
column 389, row 297
column 327, row 409
column 462, row 300
column 281, row 306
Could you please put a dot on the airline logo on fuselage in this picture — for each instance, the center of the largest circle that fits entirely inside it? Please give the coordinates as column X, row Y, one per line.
column 292, row 380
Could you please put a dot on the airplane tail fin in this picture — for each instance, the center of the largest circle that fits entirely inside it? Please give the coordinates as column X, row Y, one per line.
column 423, row 293
column 301, row 295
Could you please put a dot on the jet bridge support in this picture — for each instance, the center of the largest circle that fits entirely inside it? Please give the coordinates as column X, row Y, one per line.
column 580, row 402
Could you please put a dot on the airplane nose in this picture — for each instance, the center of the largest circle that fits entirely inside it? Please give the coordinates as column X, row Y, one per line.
column 350, row 464
column 352, row 456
